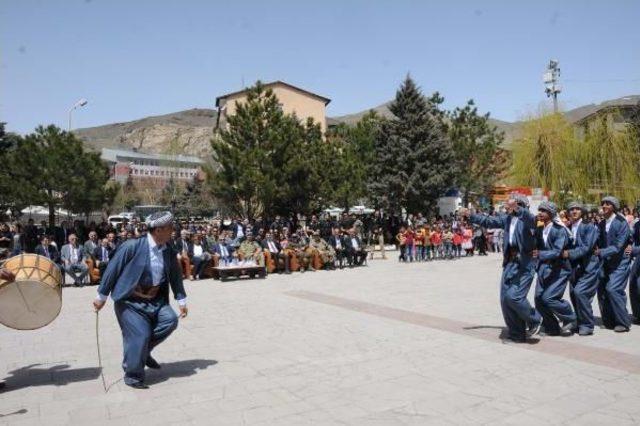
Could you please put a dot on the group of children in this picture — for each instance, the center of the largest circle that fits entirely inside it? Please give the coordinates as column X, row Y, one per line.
column 440, row 242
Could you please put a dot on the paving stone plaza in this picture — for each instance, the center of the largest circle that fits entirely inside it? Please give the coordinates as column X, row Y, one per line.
column 384, row 344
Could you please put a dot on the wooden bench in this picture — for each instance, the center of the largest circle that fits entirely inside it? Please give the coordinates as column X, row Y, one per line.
column 224, row 272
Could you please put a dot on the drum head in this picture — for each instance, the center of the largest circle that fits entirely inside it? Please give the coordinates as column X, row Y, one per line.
column 27, row 305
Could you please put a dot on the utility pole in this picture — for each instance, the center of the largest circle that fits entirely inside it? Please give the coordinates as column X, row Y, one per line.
column 551, row 79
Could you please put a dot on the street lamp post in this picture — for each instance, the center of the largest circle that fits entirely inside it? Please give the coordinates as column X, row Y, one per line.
column 82, row 102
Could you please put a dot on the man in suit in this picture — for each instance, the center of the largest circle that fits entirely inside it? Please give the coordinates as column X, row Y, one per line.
column 73, row 260
column 223, row 252
column 102, row 254
column 585, row 267
column 274, row 252
column 48, row 250
column 138, row 278
column 614, row 238
column 355, row 249
column 518, row 265
column 339, row 246
column 91, row 244
column 553, row 273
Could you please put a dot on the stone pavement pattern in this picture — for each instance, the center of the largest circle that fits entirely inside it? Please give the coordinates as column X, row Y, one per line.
column 385, row 344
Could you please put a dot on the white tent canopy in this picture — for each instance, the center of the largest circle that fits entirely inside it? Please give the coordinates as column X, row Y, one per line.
column 42, row 211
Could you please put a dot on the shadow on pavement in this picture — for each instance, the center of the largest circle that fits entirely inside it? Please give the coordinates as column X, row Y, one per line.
column 184, row 368
column 57, row 375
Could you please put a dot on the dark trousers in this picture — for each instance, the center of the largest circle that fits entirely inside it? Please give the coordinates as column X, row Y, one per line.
column 144, row 325
column 340, row 256
column 612, row 297
column 634, row 288
column 356, row 257
column 552, row 282
column 516, row 309
column 199, row 263
column 583, row 289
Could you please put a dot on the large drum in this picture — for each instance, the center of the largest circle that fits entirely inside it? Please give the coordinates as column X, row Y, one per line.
column 34, row 299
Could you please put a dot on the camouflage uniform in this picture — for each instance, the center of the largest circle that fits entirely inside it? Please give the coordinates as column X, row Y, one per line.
column 247, row 251
column 326, row 252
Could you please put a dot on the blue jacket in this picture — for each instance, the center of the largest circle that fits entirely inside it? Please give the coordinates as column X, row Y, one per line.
column 635, row 250
column 525, row 232
column 550, row 253
column 125, row 269
column 581, row 251
column 613, row 243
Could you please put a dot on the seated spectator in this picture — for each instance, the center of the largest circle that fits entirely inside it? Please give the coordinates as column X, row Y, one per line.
column 356, row 252
column 337, row 242
column 250, row 250
column 102, row 254
column 326, row 253
column 48, row 250
column 73, row 260
column 91, row 244
column 198, row 256
column 277, row 259
column 223, row 253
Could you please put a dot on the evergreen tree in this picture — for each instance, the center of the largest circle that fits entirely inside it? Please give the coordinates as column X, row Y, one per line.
column 414, row 156
column 266, row 159
column 54, row 170
column 479, row 158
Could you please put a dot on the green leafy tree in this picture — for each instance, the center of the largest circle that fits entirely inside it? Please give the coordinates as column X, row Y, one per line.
column 56, row 171
column 350, row 158
column 414, row 156
column 479, row 158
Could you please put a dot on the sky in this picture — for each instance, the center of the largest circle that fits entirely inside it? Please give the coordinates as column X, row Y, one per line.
column 135, row 58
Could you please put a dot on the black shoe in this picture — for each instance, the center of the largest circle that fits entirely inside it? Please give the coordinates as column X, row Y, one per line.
column 2, row 385
column 636, row 321
column 620, row 329
column 137, row 385
column 152, row 363
column 569, row 328
column 534, row 328
column 512, row 340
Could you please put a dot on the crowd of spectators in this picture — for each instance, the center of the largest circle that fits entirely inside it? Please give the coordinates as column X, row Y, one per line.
column 282, row 244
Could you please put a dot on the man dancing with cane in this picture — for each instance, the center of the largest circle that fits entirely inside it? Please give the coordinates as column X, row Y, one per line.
column 138, row 278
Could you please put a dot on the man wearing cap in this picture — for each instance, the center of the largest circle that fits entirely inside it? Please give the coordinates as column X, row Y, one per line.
column 250, row 250
column 325, row 251
column 553, row 273
column 519, row 226
column 634, row 275
column 613, row 240
column 585, row 267
column 138, row 278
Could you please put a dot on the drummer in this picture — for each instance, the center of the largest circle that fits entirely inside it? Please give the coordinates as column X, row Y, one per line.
column 5, row 275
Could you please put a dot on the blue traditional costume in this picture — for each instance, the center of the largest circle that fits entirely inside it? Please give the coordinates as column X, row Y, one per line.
column 553, row 274
column 614, row 237
column 138, row 278
column 518, row 267
column 585, row 270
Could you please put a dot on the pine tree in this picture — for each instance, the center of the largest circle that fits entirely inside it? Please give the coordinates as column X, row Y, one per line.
column 414, row 156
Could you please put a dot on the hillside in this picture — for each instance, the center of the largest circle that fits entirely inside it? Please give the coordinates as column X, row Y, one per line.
column 190, row 131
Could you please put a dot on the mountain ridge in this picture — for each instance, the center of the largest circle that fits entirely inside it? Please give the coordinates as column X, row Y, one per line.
column 189, row 131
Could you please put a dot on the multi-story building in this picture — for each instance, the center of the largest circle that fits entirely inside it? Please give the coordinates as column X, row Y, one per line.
column 293, row 100
column 150, row 168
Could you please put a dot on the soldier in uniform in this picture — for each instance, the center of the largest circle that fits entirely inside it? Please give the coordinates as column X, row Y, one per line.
column 298, row 246
column 325, row 251
column 251, row 250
